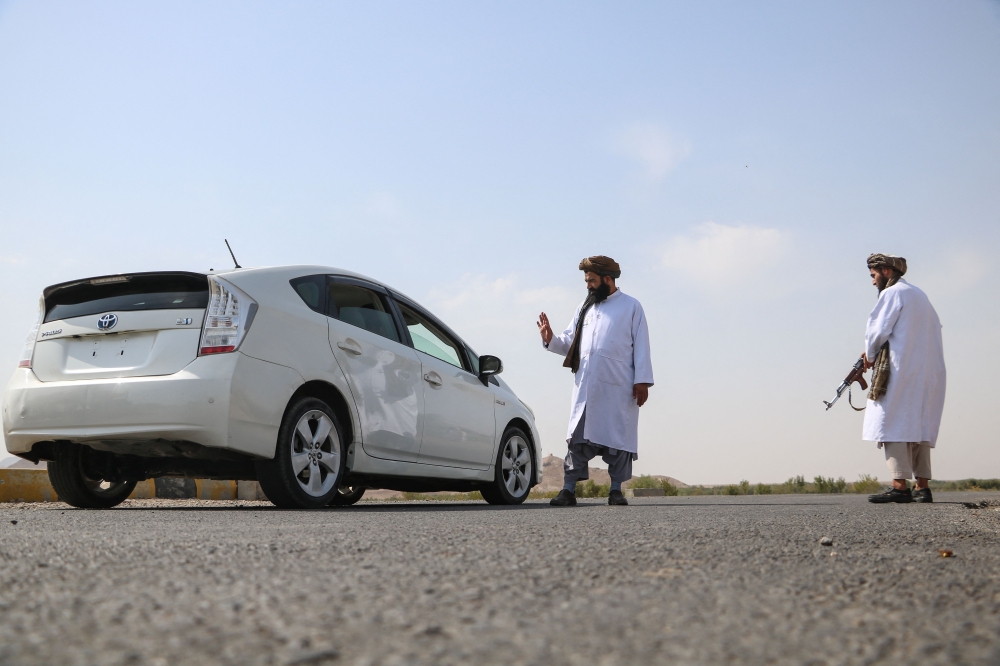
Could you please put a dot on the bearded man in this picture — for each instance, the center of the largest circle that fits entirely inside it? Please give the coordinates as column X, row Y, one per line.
column 607, row 348
column 903, row 343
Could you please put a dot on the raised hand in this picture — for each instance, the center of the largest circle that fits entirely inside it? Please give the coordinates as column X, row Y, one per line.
column 544, row 328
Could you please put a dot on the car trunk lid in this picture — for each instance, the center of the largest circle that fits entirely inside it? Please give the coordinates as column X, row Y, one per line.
column 135, row 325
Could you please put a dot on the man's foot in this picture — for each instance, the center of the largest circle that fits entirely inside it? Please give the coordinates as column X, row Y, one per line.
column 923, row 495
column 616, row 498
column 564, row 498
column 892, row 496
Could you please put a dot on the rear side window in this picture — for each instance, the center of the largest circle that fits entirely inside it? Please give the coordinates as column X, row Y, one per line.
column 311, row 289
column 361, row 307
column 162, row 291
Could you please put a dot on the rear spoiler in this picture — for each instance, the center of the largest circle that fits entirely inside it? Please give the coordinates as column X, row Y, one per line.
column 118, row 278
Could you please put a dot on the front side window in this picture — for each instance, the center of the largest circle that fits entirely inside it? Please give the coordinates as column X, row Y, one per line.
column 428, row 338
column 473, row 361
column 361, row 307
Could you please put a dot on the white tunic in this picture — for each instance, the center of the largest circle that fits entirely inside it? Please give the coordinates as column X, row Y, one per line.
column 614, row 356
column 910, row 410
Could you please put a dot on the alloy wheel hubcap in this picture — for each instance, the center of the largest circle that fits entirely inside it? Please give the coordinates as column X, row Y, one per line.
column 516, row 466
column 315, row 453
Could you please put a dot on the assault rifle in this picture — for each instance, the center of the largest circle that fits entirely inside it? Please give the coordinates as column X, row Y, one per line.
column 857, row 374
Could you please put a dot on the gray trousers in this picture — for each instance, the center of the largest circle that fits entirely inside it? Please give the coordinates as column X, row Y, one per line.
column 582, row 451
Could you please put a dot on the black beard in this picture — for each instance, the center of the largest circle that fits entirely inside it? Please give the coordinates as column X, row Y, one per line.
column 884, row 283
column 601, row 292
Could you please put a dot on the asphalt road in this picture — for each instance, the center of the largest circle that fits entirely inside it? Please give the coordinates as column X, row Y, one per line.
column 705, row 580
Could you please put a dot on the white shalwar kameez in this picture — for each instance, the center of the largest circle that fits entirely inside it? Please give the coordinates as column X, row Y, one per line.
column 614, row 356
column 910, row 410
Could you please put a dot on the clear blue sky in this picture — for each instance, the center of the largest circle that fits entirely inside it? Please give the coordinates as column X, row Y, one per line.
column 739, row 161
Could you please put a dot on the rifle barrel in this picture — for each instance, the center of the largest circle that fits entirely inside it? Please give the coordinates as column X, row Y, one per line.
column 840, row 391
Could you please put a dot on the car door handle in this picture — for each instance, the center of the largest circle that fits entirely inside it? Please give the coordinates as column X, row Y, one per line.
column 433, row 379
column 350, row 346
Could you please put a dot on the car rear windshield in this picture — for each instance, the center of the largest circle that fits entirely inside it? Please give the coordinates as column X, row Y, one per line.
column 150, row 291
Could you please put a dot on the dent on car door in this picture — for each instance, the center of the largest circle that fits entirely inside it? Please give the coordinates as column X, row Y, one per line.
column 384, row 374
column 459, row 424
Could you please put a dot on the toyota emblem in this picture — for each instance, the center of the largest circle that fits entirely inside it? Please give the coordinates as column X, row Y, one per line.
column 107, row 322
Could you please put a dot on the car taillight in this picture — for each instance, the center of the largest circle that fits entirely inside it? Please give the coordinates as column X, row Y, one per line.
column 29, row 344
column 230, row 313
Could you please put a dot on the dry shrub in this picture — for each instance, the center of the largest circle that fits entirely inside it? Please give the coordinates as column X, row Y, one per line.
column 591, row 489
column 866, row 484
column 644, row 481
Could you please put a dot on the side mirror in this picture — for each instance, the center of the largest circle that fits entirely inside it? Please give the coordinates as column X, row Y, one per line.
column 489, row 366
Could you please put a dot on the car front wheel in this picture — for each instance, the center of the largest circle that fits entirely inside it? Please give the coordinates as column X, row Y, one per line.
column 514, row 470
column 308, row 460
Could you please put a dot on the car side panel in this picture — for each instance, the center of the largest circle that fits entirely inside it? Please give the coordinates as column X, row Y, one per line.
column 366, row 464
column 459, row 419
column 508, row 408
column 287, row 333
column 284, row 330
column 387, row 388
column 260, row 392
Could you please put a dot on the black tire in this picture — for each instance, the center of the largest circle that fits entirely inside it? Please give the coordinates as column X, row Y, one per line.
column 76, row 476
column 348, row 495
column 504, row 490
column 324, row 460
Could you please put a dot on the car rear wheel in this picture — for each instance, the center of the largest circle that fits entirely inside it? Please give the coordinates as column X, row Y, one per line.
column 77, row 475
column 348, row 495
column 514, row 470
column 308, row 460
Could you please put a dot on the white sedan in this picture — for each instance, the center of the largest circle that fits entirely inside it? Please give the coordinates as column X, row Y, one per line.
column 316, row 382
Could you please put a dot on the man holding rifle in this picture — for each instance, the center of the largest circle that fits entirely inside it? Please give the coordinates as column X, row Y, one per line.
column 903, row 344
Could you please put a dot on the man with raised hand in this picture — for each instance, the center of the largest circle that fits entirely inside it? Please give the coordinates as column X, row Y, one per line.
column 906, row 398
column 607, row 348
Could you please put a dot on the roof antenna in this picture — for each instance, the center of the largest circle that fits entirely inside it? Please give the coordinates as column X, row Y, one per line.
column 231, row 254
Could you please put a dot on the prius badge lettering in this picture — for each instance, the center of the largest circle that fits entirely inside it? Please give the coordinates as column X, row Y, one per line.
column 107, row 322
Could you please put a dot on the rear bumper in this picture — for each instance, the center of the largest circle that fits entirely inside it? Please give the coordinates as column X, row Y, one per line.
column 191, row 405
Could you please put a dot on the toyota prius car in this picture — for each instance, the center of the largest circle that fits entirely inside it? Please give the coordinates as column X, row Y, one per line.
column 316, row 382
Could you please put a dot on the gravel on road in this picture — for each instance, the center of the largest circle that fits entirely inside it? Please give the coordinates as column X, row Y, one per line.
column 792, row 579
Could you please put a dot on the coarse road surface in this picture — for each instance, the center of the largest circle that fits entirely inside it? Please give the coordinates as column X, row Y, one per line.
column 694, row 580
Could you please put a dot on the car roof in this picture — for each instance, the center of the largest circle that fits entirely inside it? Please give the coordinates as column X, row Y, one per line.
column 302, row 270
column 292, row 271
column 276, row 272
column 281, row 272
